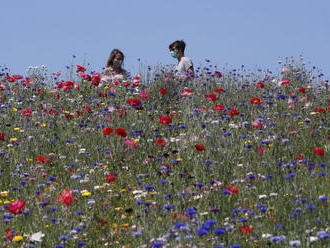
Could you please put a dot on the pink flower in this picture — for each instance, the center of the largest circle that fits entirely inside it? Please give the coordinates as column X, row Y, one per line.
column 16, row 206
column 57, row 74
column 144, row 95
column 186, row 92
column 137, row 77
column 130, row 143
column 257, row 124
column 261, row 150
column 285, row 81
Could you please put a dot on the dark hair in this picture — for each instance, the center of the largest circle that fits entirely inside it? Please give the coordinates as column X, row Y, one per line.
column 179, row 44
column 112, row 56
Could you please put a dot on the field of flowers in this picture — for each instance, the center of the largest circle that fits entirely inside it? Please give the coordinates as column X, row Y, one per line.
column 234, row 158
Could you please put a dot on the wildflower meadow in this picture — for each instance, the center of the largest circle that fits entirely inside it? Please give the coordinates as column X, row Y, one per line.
column 232, row 158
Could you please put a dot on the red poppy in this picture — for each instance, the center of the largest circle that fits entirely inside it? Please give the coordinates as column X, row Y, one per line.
column 320, row 110
column 318, row 151
column 233, row 112
column 107, row 131
column 41, row 159
column 66, row 197
column 26, row 112
column 121, row 132
column 163, row 91
column 88, row 77
column 211, row 97
column 18, row 77
column 256, row 100
column 160, row 142
column 69, row 116
column 59, row 85
column 86, row 108
column 67, row 88
column 10, row 234
column 232, row 191
column 219, row 90
column 217, row 74
column 11, row 79
column 68, row 83
column 302, row 90
column 165, row 119
column 80, row 68
column 285, row 81
column 16, row 206
column 299, row 156
column 134, row 102
column 260, row 85
column 96, row 79
column 245, row 229
column 2, row 136
column 126, row 84
column 110, row 178
column 219, row 107
column 200, row 147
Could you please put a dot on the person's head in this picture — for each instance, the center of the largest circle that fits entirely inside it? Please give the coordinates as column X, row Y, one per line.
column 115, row 59
column 177, row 48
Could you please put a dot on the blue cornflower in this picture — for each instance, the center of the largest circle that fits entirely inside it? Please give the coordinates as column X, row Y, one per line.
column 137, row 234
column 219, row 231
column 157, row 244
column 191, row 211
column 201, row 232
column 168, row 207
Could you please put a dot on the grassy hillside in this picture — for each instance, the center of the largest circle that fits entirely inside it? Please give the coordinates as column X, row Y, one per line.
column 236, row 158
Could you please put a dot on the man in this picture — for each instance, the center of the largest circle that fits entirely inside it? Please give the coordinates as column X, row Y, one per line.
column 184, row 69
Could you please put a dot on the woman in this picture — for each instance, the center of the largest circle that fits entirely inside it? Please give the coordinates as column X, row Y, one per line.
column 114, row 70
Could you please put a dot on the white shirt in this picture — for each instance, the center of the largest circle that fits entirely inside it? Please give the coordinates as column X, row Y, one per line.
column 182, row 67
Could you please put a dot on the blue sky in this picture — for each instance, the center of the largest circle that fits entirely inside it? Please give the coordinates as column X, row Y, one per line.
column 250, row 32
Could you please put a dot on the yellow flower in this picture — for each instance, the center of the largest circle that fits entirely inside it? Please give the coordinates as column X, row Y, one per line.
column 179, row 159
column 105, row 166
column 125, row 224
column 300, row 123
column 270, row 145
column 17, row 238
column 43, row 125
column 102, row 103
column 66, row 112
column 51, row 91
column 4, row 194
column 86, row 193
column 16, row 128
column 159, row 218
column 247, row 142
column 123, row 190
column 13, row 139
column 6, row 202
column 102, row 186
column 14, row 109
column 136, row 140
